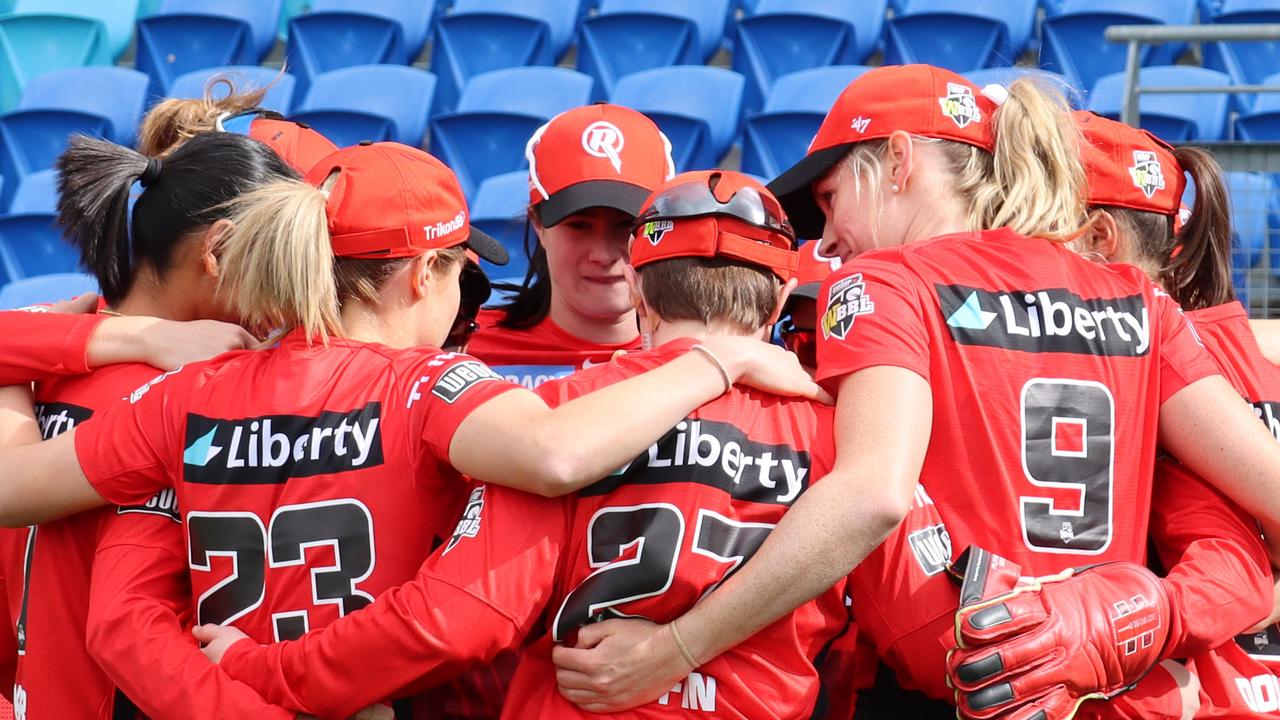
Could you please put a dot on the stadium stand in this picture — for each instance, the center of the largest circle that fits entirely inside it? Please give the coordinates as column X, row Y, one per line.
column 341, row 33
column 632, row 35
column 1006, row 75
column 701, row 122
column 181, row 38
column 1262, row 122
column 778, row 136
column 280, row 86
column 115, row 95
column 1173, row 117
column 370, row 102
column 1072, row 36
column 1248, row 63
column 499, row 209
column 960, row 36
column 31, row 45
column 117, row 16
column 45, row 288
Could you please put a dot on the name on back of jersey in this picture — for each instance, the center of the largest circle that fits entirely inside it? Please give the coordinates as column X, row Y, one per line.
column 56, row 418
column 1048, row 320
column 718, row 455
column 274, row 448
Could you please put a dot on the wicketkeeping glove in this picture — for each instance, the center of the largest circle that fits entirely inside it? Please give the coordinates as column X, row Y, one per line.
column 1037, row 650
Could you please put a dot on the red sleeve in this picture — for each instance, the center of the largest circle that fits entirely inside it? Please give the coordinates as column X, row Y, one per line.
column 42, row 345
column 443, row 392
column 1155, row 698
column 128, row 449
column 481, row 593
column 139, row 619
column 904, row 602
column 874, row 315
column 1219, row 577
column 12, row 553
column 1183, row 359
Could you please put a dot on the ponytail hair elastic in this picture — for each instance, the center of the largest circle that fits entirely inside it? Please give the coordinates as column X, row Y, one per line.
column 151, row 173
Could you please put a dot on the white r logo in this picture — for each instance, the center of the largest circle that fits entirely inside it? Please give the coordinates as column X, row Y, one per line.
column 603, row 139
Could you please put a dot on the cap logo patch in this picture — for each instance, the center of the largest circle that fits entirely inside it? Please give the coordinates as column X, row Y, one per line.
column 960, row 105
column 603, row 139
column 653, row 231
column 1146, row 172
column 441, row 229
column 860, row 124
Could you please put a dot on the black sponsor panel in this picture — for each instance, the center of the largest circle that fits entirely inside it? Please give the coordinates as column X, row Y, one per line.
column 932, row 548
column 461, row 377
column 163, row 503
column 1047, row 320
column 1265, row 644
column 1269, row 413
column 274, row 448
column 56, row 418
column 717, row 455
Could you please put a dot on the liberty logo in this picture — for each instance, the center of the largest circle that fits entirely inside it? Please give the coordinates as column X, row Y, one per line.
column 603, row 139
column 1146, row 172
column 960, row 105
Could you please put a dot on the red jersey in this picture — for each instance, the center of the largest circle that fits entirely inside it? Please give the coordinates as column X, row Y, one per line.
column 1047, row 373
column 311, row 478
column 41, row 345
column 532, row 356
column 647, row 541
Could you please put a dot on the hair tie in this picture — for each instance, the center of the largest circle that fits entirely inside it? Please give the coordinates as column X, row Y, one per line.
column 151, row 173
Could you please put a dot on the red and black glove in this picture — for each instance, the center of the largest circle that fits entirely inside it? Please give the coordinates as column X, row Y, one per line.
column 1036, row 650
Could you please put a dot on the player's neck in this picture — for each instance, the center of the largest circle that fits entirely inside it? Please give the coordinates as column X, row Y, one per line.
column 370, row 324
column 946, row 217
column 149, row 296
column 669, row 330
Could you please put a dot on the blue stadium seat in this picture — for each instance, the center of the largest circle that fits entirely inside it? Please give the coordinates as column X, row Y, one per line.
column 499, row 209
column 1006, row 75
column 1073, row 44
column 332, row 34
column 149, row 7
column 260, row 15
column 483, row 35
column 45, row 289
column 280, row 87
column 960, row 36
column 1262, row 122
column 1248, row 63
column 364, row 102
column 496, row 115
column 170, row 45
column 774, row 139
column 701, row 119
column 784, row 36
column 633, row 35
column 1253, row 223
column 116, row 16
column 1211, row 10
column 31, row 244
column 1173, row 118
column 116, row 94
column 32, row 45
column 37, row 194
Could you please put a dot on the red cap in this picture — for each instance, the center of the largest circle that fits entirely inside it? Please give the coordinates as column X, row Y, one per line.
column 812, row 270
column 714, row 213
column 1128, row 167
column 297, row 144
column 595, row 156
column 393, row 201
column 918, row 99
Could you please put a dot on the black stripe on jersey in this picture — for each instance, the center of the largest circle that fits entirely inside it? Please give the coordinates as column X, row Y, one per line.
column 1048, row 320
column 56, row 418
column 1264, row 645
column 717, row 455
column 1269, row 413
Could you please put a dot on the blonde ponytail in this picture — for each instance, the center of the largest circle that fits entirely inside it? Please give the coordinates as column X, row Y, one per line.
column 277, row 264
column 1037, row 182
column 174, row 121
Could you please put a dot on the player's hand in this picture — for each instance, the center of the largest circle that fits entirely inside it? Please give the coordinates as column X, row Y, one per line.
column 1048, row 645
column 77, row 305
column 165, row 344
column 766, row 367
column 618, row 665
column 216, row 639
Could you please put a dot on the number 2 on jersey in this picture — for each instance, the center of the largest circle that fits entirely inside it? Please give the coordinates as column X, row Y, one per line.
column 1068, row 444
column 344, row 525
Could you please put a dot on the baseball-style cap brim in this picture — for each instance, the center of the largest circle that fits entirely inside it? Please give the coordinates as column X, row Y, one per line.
column 807, row 290
column 794, row 189
column 486, row 246
column 614, row 194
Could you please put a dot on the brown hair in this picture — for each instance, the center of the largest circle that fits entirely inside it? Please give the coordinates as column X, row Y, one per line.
column 710, row 290
column 278, row 266
column 1033, row 183
column 1199, row 274
column 175, row 120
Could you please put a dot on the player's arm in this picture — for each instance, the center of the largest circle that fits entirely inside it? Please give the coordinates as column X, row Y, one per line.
column 479, row 594
column 38, row 480
column 514, row 439
column 883, row 420
column 139, row 608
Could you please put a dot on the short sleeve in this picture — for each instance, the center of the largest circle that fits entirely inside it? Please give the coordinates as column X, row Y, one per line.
column 444, row 390
column 874, row 315
column 1183, row 358
column 127, row 450
column 42, row 345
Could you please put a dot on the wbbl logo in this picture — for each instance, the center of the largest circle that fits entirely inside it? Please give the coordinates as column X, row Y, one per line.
column 654, row 231
column 469, row 525
column 1146, row 172
column 845, row 302
column 274, row 448
column 932, row 548
column 960, row 105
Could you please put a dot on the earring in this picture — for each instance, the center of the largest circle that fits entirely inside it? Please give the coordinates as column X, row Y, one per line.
column 895, row 187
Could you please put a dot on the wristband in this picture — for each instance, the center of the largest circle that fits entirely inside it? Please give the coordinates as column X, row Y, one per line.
column 684, row 649
column 724, row 372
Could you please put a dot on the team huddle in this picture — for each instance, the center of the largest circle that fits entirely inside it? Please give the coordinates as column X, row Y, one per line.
column 1005, row 460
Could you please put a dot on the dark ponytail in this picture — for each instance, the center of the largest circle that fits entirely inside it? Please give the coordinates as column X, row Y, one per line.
column 1199, row 275
column 187, row 191
column 532, row 301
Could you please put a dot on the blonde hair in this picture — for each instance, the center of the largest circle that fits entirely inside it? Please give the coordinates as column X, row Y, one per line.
column 277, row 264
column 176, row 120
column 1033, row 183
